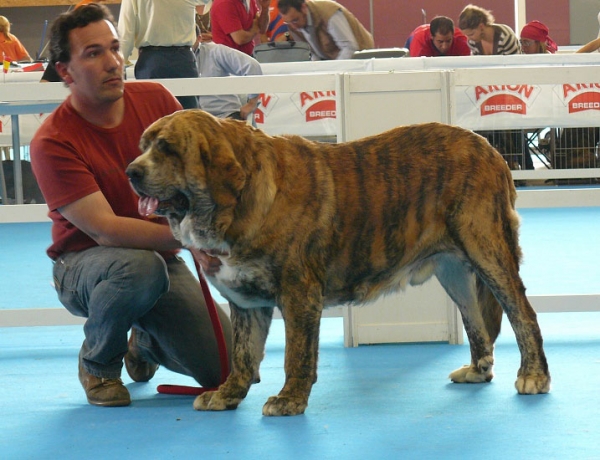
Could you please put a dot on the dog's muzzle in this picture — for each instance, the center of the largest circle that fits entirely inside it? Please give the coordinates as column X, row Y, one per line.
column 175, row 205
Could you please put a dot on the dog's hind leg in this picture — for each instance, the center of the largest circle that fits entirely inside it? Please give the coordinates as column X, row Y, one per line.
column 493, row 250
column 481, row 315
column 533, row 376
column 250, row 329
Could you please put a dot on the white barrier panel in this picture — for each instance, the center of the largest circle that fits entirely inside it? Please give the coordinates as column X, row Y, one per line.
column 374, row 102
column 509, row 98
column 377, row 101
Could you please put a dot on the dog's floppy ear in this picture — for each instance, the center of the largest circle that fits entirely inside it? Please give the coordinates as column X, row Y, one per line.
column 225, row 176
column 225, row 179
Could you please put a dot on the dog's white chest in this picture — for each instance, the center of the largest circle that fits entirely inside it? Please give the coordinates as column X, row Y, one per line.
column 244, row 286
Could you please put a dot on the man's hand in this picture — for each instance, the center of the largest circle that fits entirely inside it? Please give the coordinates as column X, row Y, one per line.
column 206, row 37
column 248, row 107
column 255, row 29
column 209, row 263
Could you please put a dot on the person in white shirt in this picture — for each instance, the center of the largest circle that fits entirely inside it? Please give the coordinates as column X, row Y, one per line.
column 163, row 31
column 216, row 60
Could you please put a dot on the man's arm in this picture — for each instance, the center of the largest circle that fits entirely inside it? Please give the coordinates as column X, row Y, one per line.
column 343, row 37
column 263, row 18
column 94, row 216
column 241, row 37
column 590, row 47
column 249, row 107
column 234, row 62
column 259, row 25
column 418, row 45
column 126, row 27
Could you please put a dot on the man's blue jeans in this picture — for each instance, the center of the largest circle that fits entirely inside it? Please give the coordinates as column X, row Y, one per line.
column 119, row 288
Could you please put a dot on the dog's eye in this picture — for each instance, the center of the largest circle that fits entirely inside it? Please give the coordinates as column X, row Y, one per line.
column 166, row 147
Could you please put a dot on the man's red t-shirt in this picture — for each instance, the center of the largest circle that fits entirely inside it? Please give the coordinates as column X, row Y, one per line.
column 422, row 44
column 227, row 16
column 72, row 158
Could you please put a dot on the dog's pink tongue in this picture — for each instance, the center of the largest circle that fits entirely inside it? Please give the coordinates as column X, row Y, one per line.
column 147, row 205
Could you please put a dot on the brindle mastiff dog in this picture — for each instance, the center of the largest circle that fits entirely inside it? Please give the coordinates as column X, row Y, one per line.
column 307, row 225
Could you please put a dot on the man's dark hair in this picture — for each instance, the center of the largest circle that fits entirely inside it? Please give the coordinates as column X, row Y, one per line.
column 442, row 25
column 285, row 5
column 60, row 48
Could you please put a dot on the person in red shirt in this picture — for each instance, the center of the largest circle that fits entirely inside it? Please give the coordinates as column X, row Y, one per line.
column 439, row 38
column 116, row 268
column 237, row 23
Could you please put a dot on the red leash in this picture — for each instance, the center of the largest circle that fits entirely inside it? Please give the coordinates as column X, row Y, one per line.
column 222, row 347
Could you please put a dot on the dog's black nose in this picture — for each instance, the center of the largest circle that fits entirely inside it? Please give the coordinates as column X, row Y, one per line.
column 135, row 173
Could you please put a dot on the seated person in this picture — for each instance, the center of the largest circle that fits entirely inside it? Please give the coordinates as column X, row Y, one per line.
column 215, row 60
column 438, row 38
column 10, row 45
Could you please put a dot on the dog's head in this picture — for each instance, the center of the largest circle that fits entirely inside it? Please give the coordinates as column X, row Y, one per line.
column 188, row 172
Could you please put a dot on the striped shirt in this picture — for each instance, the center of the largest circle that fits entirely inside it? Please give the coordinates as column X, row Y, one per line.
column 505, row 42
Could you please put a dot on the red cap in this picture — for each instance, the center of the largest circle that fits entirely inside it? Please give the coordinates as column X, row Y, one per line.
column 537, row 31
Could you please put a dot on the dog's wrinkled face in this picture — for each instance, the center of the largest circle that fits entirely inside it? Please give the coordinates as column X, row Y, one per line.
column 180, row 176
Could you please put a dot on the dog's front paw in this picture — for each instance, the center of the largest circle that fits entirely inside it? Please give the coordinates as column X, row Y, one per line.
column 283, row 405
column 475, row 374
column 214, row 400
column 532, row 384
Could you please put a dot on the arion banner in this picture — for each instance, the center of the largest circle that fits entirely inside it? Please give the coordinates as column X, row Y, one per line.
column 528, row 106
column 310, row 114
column 477, row 107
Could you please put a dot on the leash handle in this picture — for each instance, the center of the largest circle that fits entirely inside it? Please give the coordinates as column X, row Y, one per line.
column 219, row 335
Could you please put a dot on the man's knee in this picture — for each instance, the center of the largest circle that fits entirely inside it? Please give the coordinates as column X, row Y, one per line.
column 145, row 273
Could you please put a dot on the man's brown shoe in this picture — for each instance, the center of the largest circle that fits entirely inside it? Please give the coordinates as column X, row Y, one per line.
column 103, row 392
column 138, row 368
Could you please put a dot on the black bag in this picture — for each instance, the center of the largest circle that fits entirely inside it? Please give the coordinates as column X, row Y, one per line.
column 283, row 51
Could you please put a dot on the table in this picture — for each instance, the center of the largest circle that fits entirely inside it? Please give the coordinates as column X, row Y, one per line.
column 14, row 109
